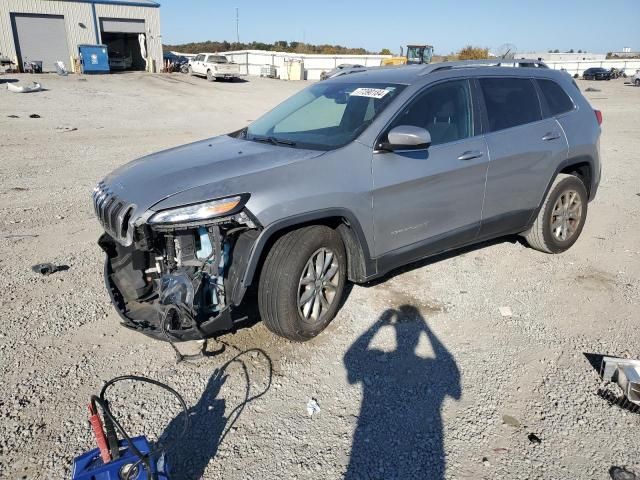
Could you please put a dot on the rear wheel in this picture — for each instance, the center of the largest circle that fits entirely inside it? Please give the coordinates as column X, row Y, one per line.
column 302, row 282
column 562, row 216
column 637, row 82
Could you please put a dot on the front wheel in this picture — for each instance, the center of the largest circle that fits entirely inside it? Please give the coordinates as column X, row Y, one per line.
column 637, row 82
column 561, row 217
column 302, row 282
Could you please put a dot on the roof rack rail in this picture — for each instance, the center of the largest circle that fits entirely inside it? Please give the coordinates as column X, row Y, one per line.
column 489, row 62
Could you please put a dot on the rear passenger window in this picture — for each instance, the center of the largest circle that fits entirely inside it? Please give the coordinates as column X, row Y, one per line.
column 557, row 100
column 510, row 102
column 444, row 110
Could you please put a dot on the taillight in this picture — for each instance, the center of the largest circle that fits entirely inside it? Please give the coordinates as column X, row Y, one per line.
column 598, row 116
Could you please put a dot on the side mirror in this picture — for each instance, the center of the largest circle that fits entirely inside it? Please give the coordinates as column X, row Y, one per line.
column 407, row 137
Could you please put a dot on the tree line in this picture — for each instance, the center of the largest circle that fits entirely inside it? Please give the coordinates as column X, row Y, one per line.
column 279, row 46
column 467, row 53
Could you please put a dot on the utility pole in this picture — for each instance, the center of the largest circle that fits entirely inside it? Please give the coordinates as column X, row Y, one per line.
column 237, row 25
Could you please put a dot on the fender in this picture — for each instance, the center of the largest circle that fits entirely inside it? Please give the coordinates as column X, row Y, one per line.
column 565, row 165
column 268, row 233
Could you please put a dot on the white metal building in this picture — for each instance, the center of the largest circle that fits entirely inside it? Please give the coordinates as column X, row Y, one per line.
column 251, row 61
column 51, row 30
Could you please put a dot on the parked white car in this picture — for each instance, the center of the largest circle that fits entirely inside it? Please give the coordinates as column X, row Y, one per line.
column 214, row 66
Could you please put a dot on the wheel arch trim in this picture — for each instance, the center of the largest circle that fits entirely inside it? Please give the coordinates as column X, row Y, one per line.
column 568, row 163
column 275, row 228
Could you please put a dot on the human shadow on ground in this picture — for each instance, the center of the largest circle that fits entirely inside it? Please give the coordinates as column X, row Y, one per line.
column 399, row 434
column 189, row 454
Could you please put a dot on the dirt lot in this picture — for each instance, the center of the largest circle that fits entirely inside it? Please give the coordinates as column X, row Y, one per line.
column 394, row 403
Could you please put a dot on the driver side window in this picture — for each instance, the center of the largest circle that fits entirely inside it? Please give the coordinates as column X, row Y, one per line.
column 444, row 110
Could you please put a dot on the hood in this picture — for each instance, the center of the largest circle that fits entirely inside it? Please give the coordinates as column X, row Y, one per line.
column 213, row 162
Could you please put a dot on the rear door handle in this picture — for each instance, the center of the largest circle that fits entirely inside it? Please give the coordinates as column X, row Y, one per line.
column 551, row 136
column 469, row 155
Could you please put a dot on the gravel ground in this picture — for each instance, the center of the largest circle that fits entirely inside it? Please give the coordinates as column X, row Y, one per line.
column 419, row 376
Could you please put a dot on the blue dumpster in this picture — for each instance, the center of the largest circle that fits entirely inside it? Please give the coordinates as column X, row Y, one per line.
column 94, row 58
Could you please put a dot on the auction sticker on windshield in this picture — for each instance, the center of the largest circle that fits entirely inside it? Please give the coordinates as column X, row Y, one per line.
column 369, row 92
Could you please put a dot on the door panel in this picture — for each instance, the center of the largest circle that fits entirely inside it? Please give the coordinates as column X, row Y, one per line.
column 422, row 195
column 524, row 151
column 425, row 195
column 522, row 161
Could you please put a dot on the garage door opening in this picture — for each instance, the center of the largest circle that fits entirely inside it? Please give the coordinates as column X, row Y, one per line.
column 121, row 38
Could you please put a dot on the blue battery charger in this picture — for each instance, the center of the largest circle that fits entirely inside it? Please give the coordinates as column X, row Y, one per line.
column 89, row 465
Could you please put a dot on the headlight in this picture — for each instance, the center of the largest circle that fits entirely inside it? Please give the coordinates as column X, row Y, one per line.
column 199, row 211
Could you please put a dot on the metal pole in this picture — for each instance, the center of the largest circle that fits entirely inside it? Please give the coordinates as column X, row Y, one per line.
column 237, row 25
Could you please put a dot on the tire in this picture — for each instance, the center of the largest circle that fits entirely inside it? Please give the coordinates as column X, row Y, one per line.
column 281, row 284
column 190, row 70
column 542, row 235
column 637, row 82
column 210, row 76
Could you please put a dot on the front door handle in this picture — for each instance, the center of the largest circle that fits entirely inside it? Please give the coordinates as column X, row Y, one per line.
column 551, row 136
column 471, row 154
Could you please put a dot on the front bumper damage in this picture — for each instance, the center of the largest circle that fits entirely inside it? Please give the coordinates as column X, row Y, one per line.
column 180, row 282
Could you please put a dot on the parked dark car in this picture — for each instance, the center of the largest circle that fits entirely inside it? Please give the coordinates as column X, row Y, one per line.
column 340, row 70
column 174, row 59
column 597, row 73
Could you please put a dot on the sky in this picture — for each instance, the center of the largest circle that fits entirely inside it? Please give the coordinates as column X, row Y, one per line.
column 594, row 25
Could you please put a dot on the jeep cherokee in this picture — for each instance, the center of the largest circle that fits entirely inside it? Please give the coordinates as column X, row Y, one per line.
column 343, row 182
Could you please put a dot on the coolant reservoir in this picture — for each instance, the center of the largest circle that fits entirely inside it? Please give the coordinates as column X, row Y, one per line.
column 206, row 248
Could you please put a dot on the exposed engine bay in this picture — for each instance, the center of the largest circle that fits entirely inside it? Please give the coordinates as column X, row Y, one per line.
column 178, row 282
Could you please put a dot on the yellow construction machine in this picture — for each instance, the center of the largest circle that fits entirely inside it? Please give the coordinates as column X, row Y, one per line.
column 416, row 55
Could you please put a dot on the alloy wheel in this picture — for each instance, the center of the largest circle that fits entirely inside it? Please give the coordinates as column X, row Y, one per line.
column 566, row 215
column 318, row 285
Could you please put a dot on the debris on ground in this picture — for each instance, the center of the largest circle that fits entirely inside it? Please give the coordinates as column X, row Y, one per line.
column 48, row 268
column 313, row 407
column 533, row 438
column 34, row 87
column 64, row 129
column 19, row 189
column 621, row 473
column 506, row 311
column 621, row 383
column 625, row 373
column 13, row 116
column 34, row 115
column 591, row 89
column 61, row 69
column 511, row 421
column 486, row 462
column 21, row 236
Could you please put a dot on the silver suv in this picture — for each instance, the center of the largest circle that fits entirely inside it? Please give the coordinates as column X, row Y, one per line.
column 344, row 182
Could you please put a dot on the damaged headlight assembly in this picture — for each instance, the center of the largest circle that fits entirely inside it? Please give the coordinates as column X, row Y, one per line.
column 199, row 211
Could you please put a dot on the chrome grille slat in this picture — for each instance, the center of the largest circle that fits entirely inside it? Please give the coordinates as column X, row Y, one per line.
column 111, row 212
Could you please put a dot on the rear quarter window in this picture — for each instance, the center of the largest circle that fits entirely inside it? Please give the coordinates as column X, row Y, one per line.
column 510, row 102
column 556, row 98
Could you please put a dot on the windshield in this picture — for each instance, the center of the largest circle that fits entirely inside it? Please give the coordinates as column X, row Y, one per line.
column 324, row 116
column 218, row 59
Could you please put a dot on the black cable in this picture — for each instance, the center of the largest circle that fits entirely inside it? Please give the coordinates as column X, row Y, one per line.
column 240, row 407
column 180, row 356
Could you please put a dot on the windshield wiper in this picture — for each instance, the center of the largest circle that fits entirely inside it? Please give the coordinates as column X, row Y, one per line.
column 274, row 141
